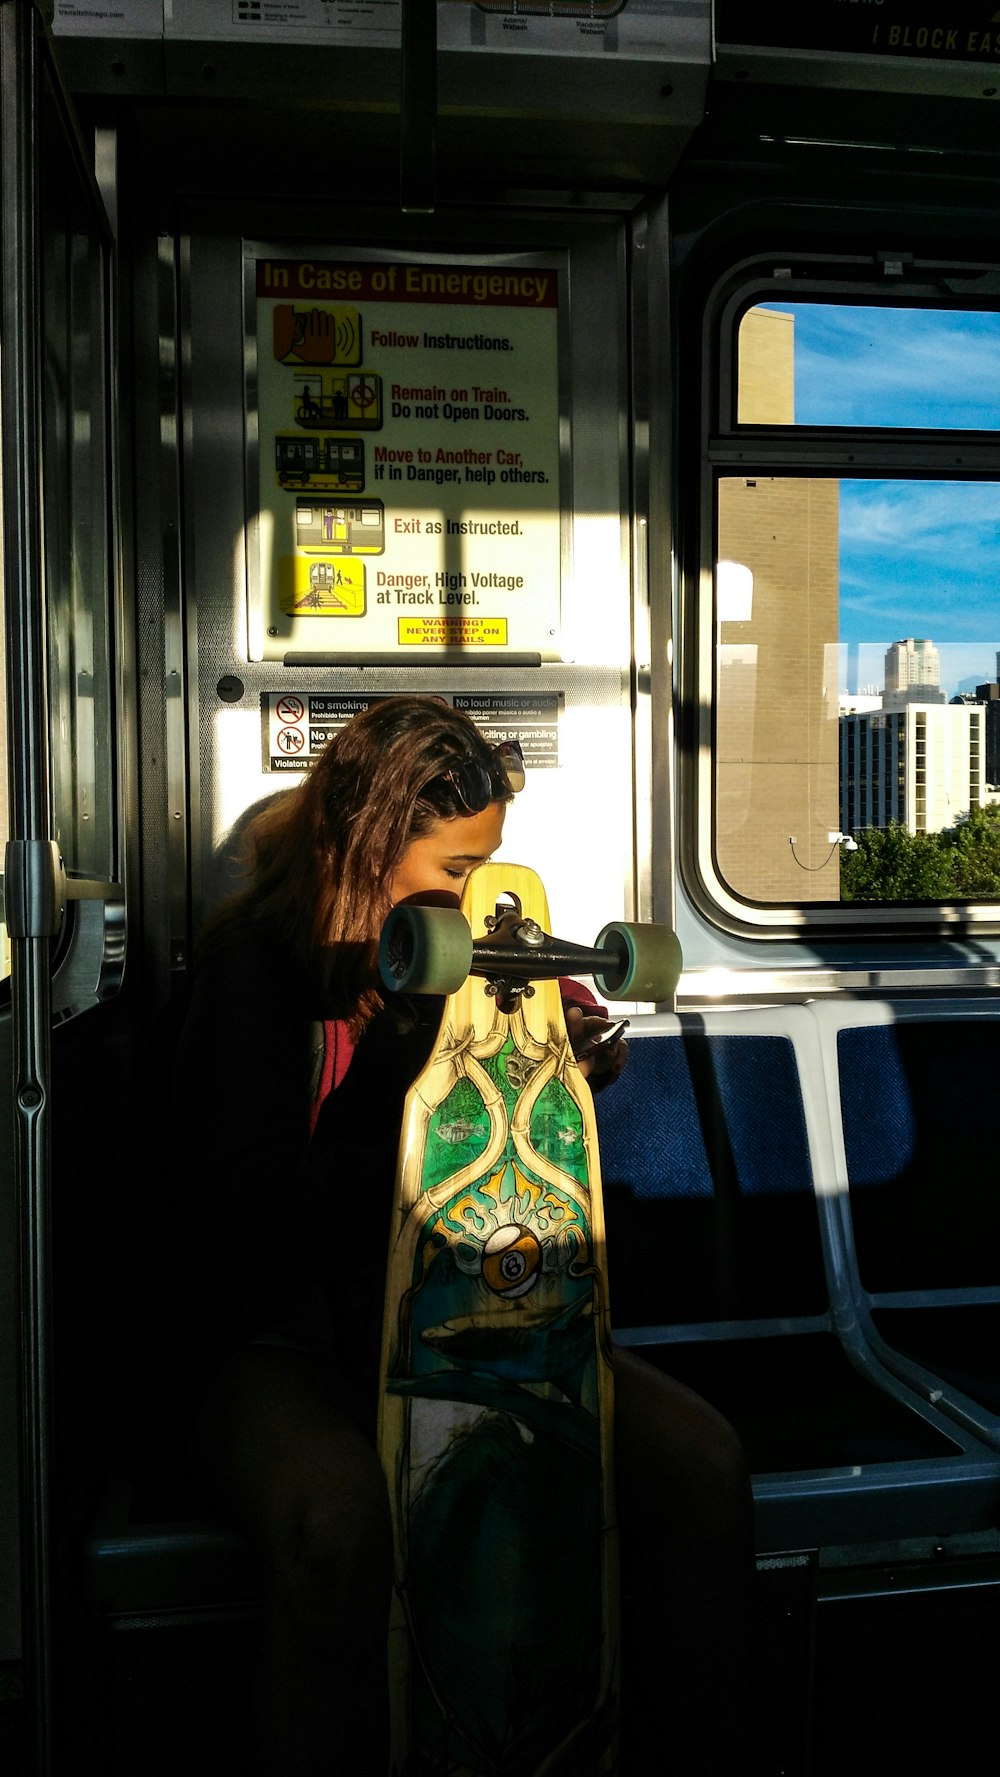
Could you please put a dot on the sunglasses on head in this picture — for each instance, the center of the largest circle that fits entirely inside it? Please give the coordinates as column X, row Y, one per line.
column 476, row 785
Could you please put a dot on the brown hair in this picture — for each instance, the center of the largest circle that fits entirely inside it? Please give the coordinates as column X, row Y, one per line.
column 320, row 856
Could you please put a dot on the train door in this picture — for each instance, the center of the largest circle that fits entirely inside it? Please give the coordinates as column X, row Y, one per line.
column 375, row 449
column 62, row 815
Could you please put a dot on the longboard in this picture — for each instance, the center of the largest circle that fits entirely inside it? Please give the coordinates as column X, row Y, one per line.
column 495, row 1425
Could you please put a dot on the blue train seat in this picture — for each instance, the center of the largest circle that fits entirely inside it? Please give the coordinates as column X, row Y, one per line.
column 913, row 1092
column 730, row 1267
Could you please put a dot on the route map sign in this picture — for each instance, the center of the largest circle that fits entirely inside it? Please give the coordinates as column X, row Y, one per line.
column 408, row 457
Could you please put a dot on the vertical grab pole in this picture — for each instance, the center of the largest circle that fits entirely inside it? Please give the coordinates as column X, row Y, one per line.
column 23, row 567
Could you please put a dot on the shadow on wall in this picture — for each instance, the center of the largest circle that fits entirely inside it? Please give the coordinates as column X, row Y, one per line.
column 227, row 872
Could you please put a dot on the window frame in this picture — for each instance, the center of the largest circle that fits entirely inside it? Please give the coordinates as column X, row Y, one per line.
column 729, row 447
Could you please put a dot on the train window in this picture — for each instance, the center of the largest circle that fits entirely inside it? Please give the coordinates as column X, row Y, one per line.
column 854, row 638
column 855, row 365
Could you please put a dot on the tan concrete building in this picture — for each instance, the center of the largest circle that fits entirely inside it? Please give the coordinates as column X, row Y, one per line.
column 776, row 751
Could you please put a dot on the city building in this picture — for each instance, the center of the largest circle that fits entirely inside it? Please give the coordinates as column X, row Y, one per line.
column 776, row 651
column 912, row 661
column 922, row 765
column 989, row 694
column 912, row 674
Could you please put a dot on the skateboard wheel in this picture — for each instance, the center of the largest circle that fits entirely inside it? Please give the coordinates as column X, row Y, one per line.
column 644, row 962
column 425, row 950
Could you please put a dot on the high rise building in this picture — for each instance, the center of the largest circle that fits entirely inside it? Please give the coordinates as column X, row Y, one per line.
column 911, row 662
column 922, row 765
column 989, row 694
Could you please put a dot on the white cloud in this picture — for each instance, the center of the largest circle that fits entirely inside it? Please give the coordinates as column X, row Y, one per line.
column 953, row 518
column 866, row 366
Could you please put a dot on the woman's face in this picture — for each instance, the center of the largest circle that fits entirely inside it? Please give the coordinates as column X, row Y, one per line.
column 446, row 856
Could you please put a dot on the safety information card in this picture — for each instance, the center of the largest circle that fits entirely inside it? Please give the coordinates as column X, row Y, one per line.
column 295, row 726
column 408, row 457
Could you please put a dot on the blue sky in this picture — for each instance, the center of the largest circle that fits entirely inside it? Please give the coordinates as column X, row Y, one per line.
column 916, row 558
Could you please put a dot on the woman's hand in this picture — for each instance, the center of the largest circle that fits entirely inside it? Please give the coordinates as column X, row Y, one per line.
column 600, row 1063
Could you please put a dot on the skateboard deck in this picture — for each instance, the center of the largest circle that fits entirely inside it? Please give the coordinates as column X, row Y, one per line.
column 495, row 1426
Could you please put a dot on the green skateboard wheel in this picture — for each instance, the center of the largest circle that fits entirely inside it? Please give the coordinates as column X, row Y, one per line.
column 644, row 962
column 425, row 950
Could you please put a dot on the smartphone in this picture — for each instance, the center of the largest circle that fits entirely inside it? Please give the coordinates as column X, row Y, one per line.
column 607, row 1036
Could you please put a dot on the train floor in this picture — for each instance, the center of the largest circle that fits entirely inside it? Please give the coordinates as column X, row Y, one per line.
column 866, row 1685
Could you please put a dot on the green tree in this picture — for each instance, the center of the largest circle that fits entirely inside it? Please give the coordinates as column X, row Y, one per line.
column 892, row 864
column 974, row 846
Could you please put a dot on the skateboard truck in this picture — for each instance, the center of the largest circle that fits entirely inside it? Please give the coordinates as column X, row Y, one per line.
column 516, row 952
column 508, row 930
column 432, row 950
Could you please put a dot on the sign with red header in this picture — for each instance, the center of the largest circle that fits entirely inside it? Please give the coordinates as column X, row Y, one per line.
column 464, row 284
column 409, row 466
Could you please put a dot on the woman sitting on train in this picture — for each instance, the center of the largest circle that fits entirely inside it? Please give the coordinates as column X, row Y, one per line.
column 288, row 1093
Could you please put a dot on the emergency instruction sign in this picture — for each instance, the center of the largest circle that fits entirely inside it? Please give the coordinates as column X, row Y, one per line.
column 295, row 727
column 408, row 470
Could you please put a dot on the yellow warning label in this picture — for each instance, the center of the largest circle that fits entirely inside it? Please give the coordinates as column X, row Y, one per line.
column 452, row 632
column 321, row 586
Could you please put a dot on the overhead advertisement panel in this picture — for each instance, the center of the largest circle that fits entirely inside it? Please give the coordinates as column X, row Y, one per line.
column 677, row 28
column 108, row 18
column 404, row 464
column 356, row 23
column 961, row 31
